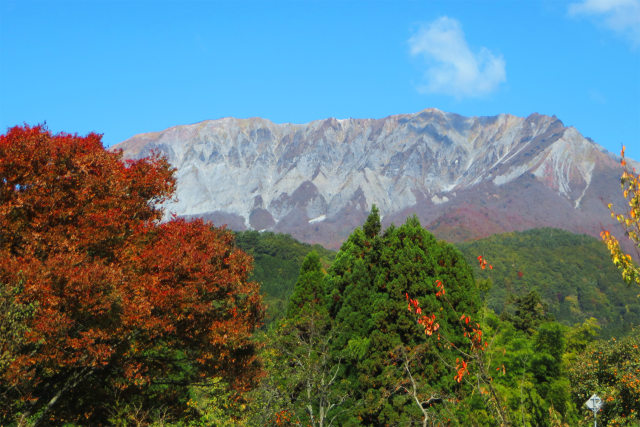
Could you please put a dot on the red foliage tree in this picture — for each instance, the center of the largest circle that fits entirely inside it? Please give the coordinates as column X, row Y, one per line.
column 188, row 290
column 119, row 301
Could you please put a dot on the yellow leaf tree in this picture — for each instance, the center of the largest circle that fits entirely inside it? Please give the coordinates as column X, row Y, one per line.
column 630, row 220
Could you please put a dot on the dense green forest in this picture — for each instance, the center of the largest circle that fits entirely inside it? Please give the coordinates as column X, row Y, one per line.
column 571, row 273
column 277, row 259
column 348, row 352
column 548, row 302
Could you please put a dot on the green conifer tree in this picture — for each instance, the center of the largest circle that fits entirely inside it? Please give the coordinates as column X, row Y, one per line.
column 304, row 374
column 308, row 292
column 367, row 287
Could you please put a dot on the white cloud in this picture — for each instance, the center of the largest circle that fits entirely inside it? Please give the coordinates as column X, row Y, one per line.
column 621, row 16
column 452, row 68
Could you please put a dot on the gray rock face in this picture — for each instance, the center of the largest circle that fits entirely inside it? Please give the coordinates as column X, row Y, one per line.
column 318, row 180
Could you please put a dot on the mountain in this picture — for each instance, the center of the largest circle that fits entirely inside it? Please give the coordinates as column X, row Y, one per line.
column 464, row 177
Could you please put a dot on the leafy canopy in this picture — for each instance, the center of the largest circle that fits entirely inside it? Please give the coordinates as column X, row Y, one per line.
column 630, row 220
column 107, row 302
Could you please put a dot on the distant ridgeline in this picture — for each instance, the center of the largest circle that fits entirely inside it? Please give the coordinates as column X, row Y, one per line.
column 573, row 274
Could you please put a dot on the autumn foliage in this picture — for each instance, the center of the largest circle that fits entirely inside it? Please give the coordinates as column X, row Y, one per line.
column 118, row 302
column 471, row 329
column 630, row 221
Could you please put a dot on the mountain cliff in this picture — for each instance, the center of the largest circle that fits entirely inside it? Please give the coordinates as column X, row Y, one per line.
column 465, row 177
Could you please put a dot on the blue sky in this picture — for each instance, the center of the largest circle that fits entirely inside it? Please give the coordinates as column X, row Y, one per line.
column 125, row 67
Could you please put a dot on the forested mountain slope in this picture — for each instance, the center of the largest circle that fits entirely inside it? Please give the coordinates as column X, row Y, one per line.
column 572, row 273
column 277, row 260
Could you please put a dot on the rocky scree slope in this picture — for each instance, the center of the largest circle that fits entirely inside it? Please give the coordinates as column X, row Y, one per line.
column 464, row 177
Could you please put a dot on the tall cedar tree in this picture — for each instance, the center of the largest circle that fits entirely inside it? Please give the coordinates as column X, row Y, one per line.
column 303, row 377
column 308, row 293
column 367, row 287
column 122, row 306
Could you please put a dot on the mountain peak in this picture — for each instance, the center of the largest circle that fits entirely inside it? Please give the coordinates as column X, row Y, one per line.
column 319, row 179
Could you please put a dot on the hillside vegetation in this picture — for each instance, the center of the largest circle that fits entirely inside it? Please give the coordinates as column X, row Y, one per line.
column 277, row 261
column 572, row 273
column 395, row 333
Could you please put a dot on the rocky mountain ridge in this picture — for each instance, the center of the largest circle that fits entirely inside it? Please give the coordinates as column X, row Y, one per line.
column 465, row 177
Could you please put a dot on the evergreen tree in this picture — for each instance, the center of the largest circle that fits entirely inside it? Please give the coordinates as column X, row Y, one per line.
column 303, row 382
column 308, row 292
column 372, row 225
column 375, row 333
column 528, row 312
